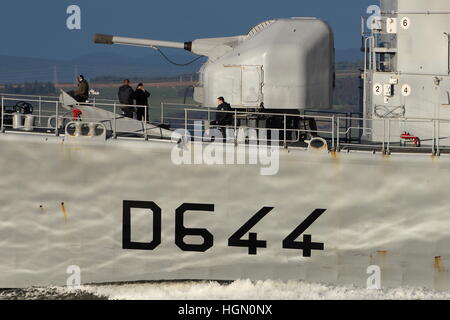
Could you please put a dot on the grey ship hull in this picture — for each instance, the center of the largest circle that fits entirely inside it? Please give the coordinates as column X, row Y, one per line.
column 63, row 205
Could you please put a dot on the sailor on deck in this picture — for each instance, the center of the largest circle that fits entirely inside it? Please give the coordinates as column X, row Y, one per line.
column 141, row 95
column 126, row 97
column 223, row 116
column 82, row 94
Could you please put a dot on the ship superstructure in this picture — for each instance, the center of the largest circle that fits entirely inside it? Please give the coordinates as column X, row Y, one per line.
column 406, row 71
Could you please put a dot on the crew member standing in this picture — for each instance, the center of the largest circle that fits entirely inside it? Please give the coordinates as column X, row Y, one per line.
column 223, row 119
column 126, row 97
column 141, row 96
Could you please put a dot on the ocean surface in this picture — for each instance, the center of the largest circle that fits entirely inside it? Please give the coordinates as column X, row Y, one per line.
column 211, row 290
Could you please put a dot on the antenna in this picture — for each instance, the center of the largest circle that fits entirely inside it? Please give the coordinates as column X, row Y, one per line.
column 75, row 69
column 55, row 76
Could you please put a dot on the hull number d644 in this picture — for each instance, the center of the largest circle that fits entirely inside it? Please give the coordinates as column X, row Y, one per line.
column 251, row 243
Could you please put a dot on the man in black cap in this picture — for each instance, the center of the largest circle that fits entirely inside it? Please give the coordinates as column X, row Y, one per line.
column 126, row 97
column 141, row 96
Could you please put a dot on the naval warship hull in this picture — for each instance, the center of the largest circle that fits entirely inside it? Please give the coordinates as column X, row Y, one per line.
column 122, row 211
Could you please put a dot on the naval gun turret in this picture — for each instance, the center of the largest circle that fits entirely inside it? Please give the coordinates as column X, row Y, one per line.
column 283, row 65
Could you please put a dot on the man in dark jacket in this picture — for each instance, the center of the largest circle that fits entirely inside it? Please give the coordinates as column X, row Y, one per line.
column 82, row 94
column 126, row 97
column 141, row 96
column 223, row 118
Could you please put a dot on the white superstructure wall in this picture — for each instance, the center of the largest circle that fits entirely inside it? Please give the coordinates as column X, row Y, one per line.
column 408, row 67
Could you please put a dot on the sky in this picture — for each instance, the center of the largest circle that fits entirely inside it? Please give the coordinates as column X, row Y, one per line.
column 37, row 28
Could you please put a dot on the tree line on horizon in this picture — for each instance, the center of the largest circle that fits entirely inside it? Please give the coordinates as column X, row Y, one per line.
column 36, row 88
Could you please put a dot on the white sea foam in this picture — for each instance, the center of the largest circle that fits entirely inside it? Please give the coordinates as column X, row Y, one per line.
column 246, row 289
column 237, row 290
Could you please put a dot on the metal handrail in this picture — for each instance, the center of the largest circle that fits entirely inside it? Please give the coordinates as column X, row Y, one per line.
column 335, row 130
column 58, row 116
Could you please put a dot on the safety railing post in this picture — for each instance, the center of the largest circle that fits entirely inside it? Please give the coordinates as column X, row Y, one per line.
column 235, row 127
column 162, row 112
column 348, row 124
column 57, row 119
column 115, row 122
column 389, row 137
column 433, row 145
column 438, row 137
column 145, row 123
column 40, row 111
column 338, row 134
column 285, row 127
column 332, row 133
column 3, row 114
column 185, row 124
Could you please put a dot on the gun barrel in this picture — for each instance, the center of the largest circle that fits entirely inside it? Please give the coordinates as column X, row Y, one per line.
column 109, row 39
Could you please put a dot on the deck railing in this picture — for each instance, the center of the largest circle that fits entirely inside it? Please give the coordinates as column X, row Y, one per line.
column 343, row 131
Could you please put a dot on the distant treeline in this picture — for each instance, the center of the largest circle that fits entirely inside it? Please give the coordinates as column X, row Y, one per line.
column 340, row 66
column 38, row 88
column 119, row 79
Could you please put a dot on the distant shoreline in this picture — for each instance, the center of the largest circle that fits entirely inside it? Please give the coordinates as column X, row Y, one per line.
column 114, row 85
column 146, row 84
